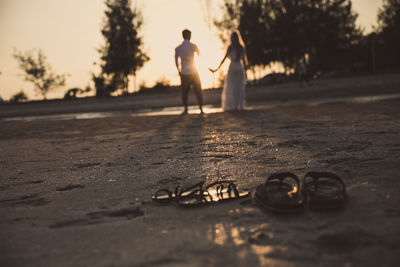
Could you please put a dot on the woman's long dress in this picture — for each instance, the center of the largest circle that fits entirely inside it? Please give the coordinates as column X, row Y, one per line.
column 233, row 94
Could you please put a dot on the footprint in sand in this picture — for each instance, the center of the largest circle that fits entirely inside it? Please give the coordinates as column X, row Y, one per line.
column 98, row 217
column 28, row 200
column 69, row 187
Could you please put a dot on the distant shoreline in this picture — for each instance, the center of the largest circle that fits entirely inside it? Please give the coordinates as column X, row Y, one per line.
column 366, row 85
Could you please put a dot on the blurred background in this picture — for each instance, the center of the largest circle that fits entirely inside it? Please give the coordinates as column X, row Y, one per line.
column 76, row 42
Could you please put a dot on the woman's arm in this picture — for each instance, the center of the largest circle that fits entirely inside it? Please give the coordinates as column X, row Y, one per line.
column 222, row 62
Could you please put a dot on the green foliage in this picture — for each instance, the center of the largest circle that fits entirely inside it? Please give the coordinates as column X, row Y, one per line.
column 162, row 83
column 389, row 33
column 287, row 30
column 122, row 55
column 38, row 71
column 19, row 97
column 389, row 14
column 104, row 87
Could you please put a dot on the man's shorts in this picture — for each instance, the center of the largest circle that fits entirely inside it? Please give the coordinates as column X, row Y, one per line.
column 190, row 81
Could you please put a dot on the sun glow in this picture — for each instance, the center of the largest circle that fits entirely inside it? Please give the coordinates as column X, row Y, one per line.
column 166, row 36
column 71, row 44
column 211, row 55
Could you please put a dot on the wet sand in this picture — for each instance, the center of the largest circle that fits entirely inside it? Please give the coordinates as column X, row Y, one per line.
column 78, row 192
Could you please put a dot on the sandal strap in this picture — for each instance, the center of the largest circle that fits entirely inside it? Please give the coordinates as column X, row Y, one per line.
column 318, row 175
column 199, row 185
column 194, row 188
column 178, row 192
column 162, row 200
column 221, row 184
column 282, row 176
column 203, row 195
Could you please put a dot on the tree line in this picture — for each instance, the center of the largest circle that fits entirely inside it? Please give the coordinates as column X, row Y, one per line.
column 322, row 32
column 121, row 55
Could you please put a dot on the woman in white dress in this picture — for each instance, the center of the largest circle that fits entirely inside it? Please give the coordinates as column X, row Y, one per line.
column 233, row 94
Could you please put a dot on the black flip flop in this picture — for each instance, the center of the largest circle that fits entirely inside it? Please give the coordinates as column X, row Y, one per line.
column 166, row 196
column 279, row 196
column 215, row 192
column 323, row 190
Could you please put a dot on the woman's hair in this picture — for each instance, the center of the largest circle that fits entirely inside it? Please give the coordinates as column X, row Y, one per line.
column 237, row 44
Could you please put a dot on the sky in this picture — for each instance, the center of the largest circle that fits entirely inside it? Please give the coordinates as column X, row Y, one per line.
column 68, row 32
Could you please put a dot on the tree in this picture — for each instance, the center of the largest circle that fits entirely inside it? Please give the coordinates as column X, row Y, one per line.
column 389, row 14
column 19, row 97
column 389, row 32
column 122, row 55
column 38, row 71
column 247, row 17
column 287, row 30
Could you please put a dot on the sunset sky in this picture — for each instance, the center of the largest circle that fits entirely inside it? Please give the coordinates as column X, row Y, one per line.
column 68, row 32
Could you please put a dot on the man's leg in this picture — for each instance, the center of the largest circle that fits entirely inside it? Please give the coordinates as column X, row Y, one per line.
column 198, row 91
column 185, row 85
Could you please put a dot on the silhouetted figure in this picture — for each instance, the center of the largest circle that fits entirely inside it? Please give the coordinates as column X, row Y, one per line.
column 304, row 76
column 187, row 70
column 233, row 94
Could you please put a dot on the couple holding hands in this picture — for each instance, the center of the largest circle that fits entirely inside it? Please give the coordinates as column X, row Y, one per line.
column 233, row 93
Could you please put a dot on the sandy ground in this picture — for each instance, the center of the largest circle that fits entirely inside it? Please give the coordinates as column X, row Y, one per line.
column 78, row 192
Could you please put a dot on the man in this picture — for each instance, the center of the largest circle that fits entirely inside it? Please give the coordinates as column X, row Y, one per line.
column 187, row 70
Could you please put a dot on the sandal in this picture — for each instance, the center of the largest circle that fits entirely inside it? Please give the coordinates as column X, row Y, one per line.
column 323, row 190
column 214, row 192
column 225, row 190
column 278, row 195
column 166, row 196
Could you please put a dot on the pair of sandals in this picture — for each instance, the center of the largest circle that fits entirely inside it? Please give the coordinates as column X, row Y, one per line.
column 199, row 195
column 319, row 190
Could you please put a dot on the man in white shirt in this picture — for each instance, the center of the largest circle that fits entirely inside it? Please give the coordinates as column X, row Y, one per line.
column 187, row 70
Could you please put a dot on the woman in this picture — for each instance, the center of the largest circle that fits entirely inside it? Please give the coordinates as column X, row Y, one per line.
column 233, row 93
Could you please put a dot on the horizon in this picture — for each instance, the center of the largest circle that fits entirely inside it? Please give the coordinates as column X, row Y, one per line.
column 68, row 32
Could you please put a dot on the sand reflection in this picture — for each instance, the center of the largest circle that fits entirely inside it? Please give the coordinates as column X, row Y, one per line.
column 253, row 241
column 208, row 109
column 222, row 234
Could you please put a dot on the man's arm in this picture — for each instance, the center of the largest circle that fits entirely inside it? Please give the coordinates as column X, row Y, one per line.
column 177, row 62
column 196, row 49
